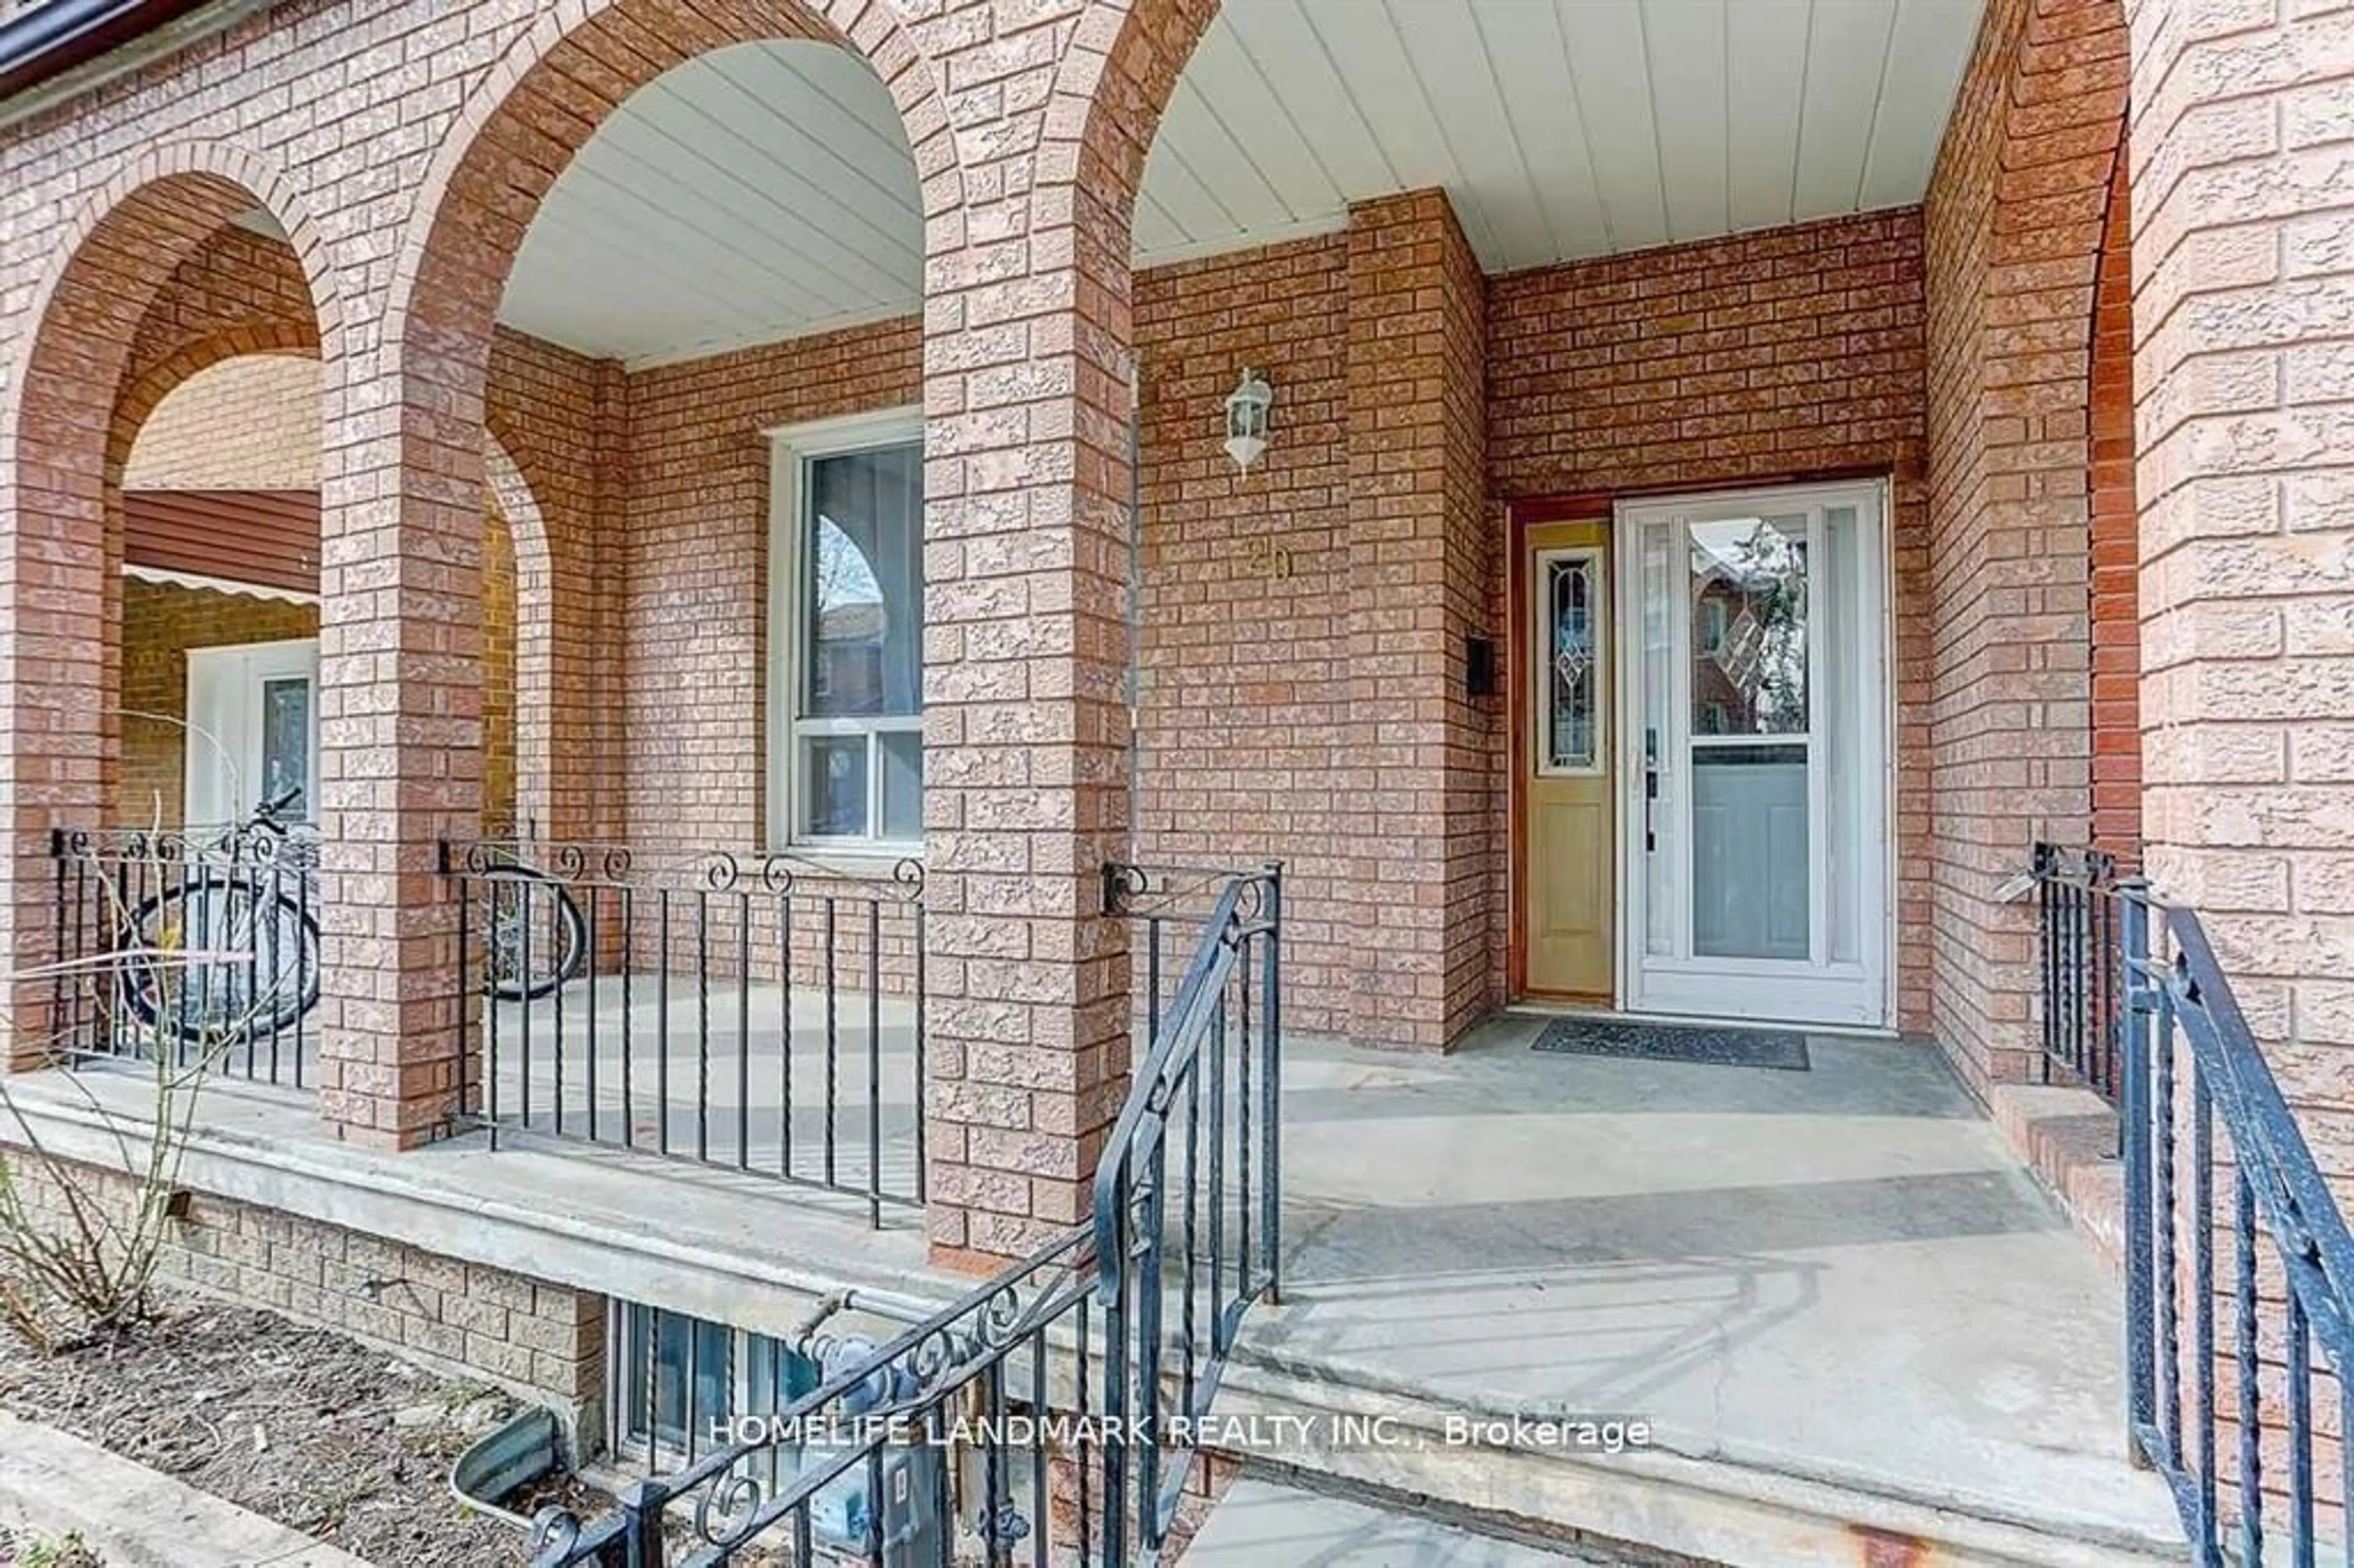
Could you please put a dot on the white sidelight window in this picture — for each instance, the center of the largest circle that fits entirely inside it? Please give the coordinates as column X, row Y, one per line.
column 253, row 730
column 846, row 635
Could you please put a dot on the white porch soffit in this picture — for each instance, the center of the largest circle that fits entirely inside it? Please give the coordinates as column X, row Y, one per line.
column 766, row 191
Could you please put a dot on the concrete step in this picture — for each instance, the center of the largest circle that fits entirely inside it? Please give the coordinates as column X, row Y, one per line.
column 54, row 1484
column 1265, row 1523
column 1707, row 1508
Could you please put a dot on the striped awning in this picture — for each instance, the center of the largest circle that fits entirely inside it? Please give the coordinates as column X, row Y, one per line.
column 268, row 538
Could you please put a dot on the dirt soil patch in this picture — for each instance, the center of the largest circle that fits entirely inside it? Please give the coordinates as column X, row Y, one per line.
column 317, row 1431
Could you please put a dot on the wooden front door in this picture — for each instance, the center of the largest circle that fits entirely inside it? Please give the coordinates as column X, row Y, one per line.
column 1567, row 884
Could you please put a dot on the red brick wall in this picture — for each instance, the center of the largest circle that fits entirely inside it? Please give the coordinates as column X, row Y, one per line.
column 556, row 417
column 2014, row 216
column 248, row 423
column 1262, row 706
column 498, row 671
column 1421, row 579
column 2116, row 541
column 1245, row 752
column 1744, row 361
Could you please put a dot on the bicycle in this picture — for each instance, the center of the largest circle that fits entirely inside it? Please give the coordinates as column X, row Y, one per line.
column 245, row 944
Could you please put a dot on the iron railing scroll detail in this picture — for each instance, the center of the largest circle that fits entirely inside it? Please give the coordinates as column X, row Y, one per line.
column 1042, row 1418
column 198, row 942
column 763, row 1013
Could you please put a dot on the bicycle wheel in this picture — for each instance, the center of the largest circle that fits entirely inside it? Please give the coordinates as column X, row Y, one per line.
column 219, row 958
column 535, row 938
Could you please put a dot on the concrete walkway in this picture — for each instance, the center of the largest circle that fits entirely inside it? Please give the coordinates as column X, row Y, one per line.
column 1265, row 1524
column 52, row 1484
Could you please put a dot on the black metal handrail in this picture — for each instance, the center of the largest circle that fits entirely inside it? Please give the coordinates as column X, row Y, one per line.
column 2079, row 960
column 2292, row 1285
column 762, row 1013
column 197, row 943
column 1042, row 1417
column 1188, row 1206
column 981, row 1425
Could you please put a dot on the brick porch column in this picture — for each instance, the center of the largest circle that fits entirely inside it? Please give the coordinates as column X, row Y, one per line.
column 2244, row 261
column 1422, row 575
column 1025, row 772
column 1027, row 328
column 399, row 754
column 62, row 607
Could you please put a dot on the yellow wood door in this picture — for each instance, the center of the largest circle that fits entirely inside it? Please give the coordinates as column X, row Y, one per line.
column 1568, row 885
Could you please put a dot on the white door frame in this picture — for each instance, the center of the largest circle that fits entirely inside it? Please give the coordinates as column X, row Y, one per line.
column 1857, row 994
column 222, row 767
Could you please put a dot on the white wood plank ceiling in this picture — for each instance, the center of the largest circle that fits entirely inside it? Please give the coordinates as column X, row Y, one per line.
column 766, row 191
column 757, row 192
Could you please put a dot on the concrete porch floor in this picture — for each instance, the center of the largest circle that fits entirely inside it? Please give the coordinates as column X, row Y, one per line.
column 1842, row 1275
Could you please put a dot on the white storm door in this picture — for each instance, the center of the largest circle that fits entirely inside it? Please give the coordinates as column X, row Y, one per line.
column 253, row 730
column 1754, row 807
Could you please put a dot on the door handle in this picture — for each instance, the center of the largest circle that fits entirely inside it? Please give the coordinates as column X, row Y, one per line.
column 1650, row 786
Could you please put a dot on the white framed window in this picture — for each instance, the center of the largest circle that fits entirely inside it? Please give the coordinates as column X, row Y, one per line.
column 846, row 633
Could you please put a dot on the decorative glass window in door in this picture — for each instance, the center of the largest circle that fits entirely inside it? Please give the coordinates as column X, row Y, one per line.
column 287, row 731
column 1569, row 642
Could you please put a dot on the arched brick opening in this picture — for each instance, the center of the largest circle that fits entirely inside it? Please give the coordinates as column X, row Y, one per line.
column 60, row 452
column 518, row 653
column 235, row 409
column 2116, row 534
column 1120, row 77
column 406, row 657
column 144, row 395
column 2014, row 220
column 539, row 105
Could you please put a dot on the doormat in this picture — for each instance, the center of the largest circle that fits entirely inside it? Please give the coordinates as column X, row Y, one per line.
column 1705, row 1043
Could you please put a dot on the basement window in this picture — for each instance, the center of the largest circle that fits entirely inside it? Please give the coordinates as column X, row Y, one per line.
column 846, row 635
column 679, row 1383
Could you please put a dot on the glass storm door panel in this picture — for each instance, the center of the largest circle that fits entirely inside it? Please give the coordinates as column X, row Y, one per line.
column 1757, row 858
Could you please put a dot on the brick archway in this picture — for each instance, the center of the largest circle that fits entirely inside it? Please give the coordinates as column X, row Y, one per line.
column 60, row 451
column 2115, row 532
column 501, row 158
column 533, row 648
column 146, row 392
column 404, row 501
column 1115, row 84
column 2014, row 218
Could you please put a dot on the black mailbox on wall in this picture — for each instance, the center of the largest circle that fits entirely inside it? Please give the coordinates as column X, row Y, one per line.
column 1479, row 667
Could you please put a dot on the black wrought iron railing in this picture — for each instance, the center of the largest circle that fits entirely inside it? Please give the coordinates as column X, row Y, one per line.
column 2239, row 1321
column 2080, row 955
column 762, row 1014
column 1044, row 1418
column 198, row 946
column 1188, row 1213
column 974, row 1435
column 1167, row 907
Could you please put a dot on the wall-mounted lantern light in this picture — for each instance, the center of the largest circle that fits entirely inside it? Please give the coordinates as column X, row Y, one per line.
column 1247, row 409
